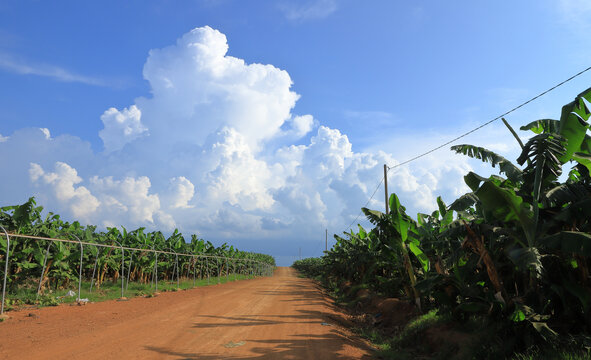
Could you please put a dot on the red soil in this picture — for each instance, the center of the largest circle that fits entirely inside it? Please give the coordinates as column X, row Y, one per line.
column 280, row 317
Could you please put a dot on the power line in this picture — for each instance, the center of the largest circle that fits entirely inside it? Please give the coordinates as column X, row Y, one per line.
column 466, row 134
column 367, row 203
column 490, row 121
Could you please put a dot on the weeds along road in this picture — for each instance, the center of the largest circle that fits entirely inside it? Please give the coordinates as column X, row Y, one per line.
column 279, row 317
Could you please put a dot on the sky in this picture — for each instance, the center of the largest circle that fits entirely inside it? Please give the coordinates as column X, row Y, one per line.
column 263, row 123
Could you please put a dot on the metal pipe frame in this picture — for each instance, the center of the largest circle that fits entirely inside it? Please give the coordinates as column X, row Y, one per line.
column 43, row 270
column 122, row 266
column 5, row 269
column 256, row 266
column 98, row 253
column 80, row 273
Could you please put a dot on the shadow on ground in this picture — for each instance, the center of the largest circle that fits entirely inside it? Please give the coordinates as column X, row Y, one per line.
column 331, row 345
column 303, row 346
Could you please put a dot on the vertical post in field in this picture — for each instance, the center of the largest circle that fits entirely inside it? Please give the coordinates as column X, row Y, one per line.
column 80, row 273
column 386, row 187
column 43, row 270
column 5, row 269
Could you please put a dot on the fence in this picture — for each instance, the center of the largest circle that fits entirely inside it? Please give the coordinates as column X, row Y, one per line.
column 213, row 264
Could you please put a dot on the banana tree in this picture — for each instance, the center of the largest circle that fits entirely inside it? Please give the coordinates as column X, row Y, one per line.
column 395, row 228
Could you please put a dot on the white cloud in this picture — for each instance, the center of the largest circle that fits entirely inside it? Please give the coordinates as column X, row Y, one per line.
column 130, row 197
column 327, row 152
column 104, row 201
column 201, row 90
column 300, row 126
column 20, row 66
column 213, row 151
column 181, row 191
column 238, row 176
column 81, row 203
column 46, row 132
column 3, row 138
column 312, row 9
column 121, row 127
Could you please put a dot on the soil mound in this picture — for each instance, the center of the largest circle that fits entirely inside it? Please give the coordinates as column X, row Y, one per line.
column 392, row 312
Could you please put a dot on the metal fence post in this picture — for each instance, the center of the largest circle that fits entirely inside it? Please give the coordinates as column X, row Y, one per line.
column 217, row 261
column 207, row 268
column 178, row 272
column 43, row 270
column 80, row 273
column 5, row 269
column 194, row 270
column 129, row 272
column 156, row 273
column 98, row 252
column 152, row 277
column 122, row 265
column 175, row 266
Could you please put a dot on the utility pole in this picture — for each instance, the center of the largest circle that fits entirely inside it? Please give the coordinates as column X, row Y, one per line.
column 386, row 186
column 326, row 240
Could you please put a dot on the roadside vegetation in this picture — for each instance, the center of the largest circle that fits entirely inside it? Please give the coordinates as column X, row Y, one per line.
column 26, row 297
column 501, row 272
column 42, row 272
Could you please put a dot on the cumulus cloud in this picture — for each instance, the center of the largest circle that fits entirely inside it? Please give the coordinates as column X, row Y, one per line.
column 129, row 196
column 213, row 151
column 104, row 201
column 238, row 177
column 31, row 145
column 62, row 184
column 200, row 89
column 121, row 127
column 300, row 126
column 181, row 191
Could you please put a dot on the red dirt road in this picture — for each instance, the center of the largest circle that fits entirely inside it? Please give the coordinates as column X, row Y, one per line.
column 279, row 317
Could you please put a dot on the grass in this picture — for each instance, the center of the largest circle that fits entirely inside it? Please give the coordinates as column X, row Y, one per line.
column 561, row 353
column 107, row 291
column 417, row 325
column 404, row 345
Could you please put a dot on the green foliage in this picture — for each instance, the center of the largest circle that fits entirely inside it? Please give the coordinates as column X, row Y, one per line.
column 419, row 324
column 310, row 267
column 27, row 256
column 515, row 252
column 505, row 166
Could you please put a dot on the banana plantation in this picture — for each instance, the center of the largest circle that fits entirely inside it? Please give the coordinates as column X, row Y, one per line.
column 513, row 254
column 48, row 254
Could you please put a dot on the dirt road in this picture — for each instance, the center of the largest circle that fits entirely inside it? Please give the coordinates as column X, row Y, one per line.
column 280, row 317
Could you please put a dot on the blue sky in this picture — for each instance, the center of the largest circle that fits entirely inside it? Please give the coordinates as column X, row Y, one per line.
column 151, row 122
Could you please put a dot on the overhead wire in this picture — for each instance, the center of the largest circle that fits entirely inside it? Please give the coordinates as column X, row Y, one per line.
column 466, row 134
column 490, row 121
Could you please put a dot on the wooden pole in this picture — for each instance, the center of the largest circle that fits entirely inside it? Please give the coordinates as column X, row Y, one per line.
column 386, row 187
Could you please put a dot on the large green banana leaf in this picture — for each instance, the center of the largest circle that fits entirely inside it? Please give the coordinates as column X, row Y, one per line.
column 574, row 123
column 504, row 205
